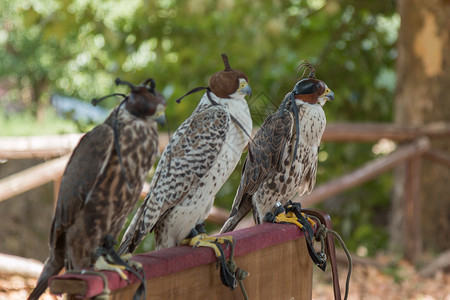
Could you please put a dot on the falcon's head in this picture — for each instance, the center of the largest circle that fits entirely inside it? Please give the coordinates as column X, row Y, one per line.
column 312, row 91
column 145, row 101
column 229, row 83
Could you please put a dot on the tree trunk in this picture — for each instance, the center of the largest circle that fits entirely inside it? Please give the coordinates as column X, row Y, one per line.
column 423, row 97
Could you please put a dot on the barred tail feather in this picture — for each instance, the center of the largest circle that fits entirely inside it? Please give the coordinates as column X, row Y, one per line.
column 133, row 235
column 236, row 216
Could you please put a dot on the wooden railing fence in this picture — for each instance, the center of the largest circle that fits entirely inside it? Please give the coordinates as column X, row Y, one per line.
column 414, row 143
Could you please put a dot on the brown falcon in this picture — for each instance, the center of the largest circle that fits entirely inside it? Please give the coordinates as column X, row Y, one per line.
column 199, row 158
column 103, row 181
column 282, row 157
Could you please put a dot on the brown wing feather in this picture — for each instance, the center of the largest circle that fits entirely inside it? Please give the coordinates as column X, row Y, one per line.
column 80, row 175
column 194, row 153
column 265, row 155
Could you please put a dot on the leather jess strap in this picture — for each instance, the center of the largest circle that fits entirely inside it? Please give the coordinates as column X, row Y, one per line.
column 330, row 249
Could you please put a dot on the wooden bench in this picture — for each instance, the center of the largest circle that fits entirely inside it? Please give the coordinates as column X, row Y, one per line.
column 275, row 255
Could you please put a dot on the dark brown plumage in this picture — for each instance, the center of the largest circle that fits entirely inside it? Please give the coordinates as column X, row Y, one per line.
column 102, row 182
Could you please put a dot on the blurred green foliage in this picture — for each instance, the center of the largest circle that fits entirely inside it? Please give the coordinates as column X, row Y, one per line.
column 76, row 48
column 24, row 123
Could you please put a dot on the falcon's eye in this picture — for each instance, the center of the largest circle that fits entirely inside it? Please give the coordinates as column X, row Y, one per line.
column 242, row 84
column 306, row 86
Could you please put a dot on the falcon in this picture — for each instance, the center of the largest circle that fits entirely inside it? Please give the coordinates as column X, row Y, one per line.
column 197, row 161
column 102, row 181
column 282, row 157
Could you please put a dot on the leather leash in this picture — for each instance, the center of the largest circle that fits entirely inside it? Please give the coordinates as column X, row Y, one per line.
column 330, row 249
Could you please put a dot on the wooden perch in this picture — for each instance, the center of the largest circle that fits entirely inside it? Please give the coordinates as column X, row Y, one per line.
column 365, row 173
column 267, row 252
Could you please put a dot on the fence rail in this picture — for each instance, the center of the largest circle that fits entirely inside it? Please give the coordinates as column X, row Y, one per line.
column 59, row 145
column 367, row 172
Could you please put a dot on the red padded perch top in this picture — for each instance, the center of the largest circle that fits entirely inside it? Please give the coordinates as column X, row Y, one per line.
column 167, row 261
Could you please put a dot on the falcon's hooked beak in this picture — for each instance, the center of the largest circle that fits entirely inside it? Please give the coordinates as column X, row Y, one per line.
column 244, row 87
column 328, row 95
column 159, row 115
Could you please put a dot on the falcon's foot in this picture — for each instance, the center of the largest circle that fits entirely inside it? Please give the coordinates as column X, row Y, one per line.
column 109, row 260
column 101, row 264
column 203, row 240
column 198, row 238
column 132, row 263
column 290, row 213
column 294, row 211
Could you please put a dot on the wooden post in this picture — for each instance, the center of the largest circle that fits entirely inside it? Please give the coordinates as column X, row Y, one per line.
column 413, row 224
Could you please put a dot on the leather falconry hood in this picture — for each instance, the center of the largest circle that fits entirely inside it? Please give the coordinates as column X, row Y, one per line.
column 226, row 82
column 222, row 83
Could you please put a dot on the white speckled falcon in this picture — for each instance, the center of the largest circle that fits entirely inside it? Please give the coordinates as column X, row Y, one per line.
column 282, row 158
column 102, row 182
column 199, row 158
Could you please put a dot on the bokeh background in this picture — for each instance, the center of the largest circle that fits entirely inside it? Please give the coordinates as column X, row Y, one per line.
column 57, row 52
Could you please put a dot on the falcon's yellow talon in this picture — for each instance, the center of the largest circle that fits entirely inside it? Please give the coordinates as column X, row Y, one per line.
column 187, row 242
column 291, row 215
column 224, row 239
column 134, row 264
column 102, row 264
column 202, row 240
column 310, row 221
column 288, row 218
